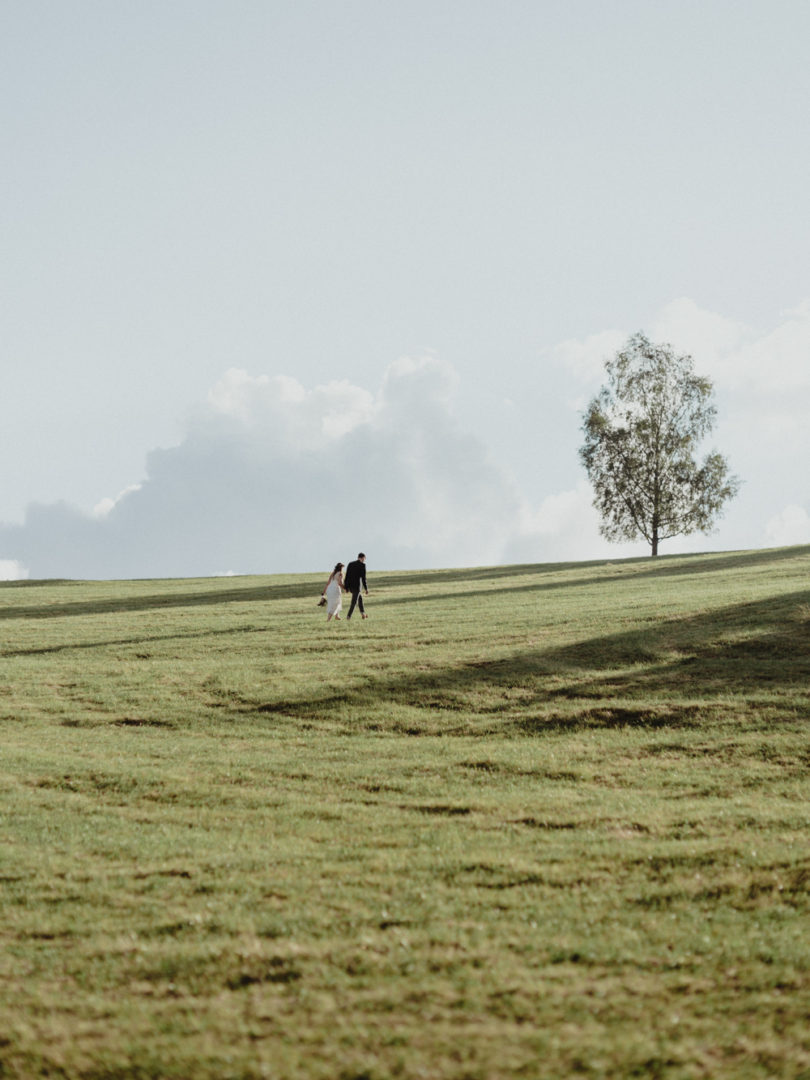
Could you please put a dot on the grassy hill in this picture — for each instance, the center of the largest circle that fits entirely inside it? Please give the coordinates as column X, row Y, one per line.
column 525, row 821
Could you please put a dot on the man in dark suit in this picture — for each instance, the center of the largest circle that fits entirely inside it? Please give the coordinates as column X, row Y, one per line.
column 354, row 580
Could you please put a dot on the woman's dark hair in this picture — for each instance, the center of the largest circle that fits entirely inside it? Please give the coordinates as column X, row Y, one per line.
column 338, row 566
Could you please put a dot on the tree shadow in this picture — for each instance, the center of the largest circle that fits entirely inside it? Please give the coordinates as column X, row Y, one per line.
column 400, row 578
column 145, row 639
column 307, row 586
column 661, row 674
column 663, row 566
column 644, row 565
column 712, row 562
column 264, row 593
column 36, row 583
column 298, row 590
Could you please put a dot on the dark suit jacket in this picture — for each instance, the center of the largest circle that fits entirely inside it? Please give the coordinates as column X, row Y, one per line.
column 355, row 576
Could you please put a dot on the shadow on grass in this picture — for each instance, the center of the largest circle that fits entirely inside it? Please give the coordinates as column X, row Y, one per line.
column 159, row 601
column 662, row 566
column 298, row 590
column 667, row 675
column 205, row 596
column 637, row 568
column 308, row 587
column 37, row 583
column 143, row 639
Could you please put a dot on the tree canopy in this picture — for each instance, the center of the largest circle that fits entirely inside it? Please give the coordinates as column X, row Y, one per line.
column 642, row 433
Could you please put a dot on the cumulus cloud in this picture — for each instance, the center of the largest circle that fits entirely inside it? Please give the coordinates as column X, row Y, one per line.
column 564, row 527
column 11, row 570
column 273, row 476
column 791, row 526
column 585, row 357
column 730, row 352
column 278, row 411
column 104, row 506
column 762, row 383
column 709, row 337
column 733, row 354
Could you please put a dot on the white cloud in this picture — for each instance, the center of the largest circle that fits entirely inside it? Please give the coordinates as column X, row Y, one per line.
column 104, row 506
column 730, row 352
column 733, row 355
column 710, row 338
column 762, row 384
column 585, row 357
column 273, row 476
column 565, row 527
column 763, row 395
column 791, row 526
column 289, row 416
column 233, row 394
column 11, row 570
column 779, row 361
column 564, row 513
column 434, row 378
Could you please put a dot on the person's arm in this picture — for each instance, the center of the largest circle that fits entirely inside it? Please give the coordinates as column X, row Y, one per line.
column 365, row 587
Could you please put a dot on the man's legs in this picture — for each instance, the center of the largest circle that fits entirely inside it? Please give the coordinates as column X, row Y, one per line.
column 356, row 598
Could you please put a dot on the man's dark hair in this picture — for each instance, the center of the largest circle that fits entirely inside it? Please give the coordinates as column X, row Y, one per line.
column 361, row 555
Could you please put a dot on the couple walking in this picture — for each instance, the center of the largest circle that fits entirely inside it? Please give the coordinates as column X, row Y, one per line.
column 353, row 581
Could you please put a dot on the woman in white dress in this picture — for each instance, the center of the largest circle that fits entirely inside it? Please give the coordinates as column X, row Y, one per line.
column 334, row 593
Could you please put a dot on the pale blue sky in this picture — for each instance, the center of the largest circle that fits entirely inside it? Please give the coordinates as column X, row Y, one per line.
column 316, row 189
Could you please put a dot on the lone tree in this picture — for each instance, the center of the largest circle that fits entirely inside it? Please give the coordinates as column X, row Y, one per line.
column 642, row 431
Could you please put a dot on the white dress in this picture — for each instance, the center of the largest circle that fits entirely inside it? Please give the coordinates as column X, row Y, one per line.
column 334, row 596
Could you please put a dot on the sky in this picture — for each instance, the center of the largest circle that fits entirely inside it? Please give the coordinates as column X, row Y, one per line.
column 281, row 281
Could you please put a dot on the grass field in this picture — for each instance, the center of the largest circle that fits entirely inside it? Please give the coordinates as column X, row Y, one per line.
column 526, row 821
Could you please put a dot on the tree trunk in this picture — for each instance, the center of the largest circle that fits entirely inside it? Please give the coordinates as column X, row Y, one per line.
column 656, row 519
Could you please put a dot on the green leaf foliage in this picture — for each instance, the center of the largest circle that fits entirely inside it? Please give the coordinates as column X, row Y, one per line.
column 642, row 433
